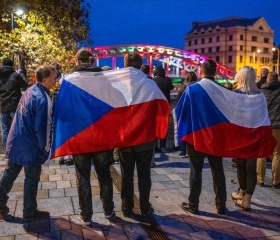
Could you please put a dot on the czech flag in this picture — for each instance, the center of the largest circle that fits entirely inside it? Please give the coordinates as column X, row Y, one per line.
column 97, row 111
column 224, row 123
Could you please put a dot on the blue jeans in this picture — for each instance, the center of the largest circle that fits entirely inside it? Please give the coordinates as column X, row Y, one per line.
column 31, row 181
column 219, row 182
column 6, row 121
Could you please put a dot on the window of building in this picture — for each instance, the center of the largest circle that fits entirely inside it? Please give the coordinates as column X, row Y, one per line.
column 251, row 59
column 210, row 40
column 195, row 42
column 260, row 27
column 253, row 48
column 265, row 50
column 230, row 48
column 195, row 50
column 230, row 37
column 241, row 47
column 217, row 49
column 229, row 59
column 209, row 49
column 217, row 38
column 202, row 50
column 217, row 58
column 241, row 59
column 241, row 37
column 254, row 38
column 202, row 40
column 266, row 40
column 190, row 43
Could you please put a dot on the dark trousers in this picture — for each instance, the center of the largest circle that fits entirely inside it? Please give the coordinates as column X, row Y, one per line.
column 247, row 174
column 183, row 147
column 101, row 162
column 196, row 166
column 143, row 165
column 31, row 181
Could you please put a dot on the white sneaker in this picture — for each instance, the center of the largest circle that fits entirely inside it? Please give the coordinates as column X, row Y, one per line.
column 85, row 221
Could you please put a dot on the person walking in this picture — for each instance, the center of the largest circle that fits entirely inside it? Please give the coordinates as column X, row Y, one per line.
column 11, row 85
column 246, row 168
column 28, row 143
column 271, row 90
column 197, row 160
column 101, row 160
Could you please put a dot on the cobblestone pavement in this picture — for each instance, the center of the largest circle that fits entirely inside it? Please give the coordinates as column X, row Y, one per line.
column 58, row 194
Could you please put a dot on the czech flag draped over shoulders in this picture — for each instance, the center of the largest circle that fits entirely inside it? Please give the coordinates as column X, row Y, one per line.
column 97, row 111
column 220, row 122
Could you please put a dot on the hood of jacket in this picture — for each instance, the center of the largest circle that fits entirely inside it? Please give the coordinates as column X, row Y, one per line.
column 6, row 70
column 271, row 85
column 87, row 68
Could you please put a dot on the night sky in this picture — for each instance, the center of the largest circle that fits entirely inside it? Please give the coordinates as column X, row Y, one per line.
column 166, row 22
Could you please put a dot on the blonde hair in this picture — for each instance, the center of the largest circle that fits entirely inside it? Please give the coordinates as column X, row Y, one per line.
column 246, row 80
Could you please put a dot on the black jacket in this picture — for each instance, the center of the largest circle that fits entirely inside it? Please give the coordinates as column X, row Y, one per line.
column 11, row 84
column 271, row 91
column 165, row 85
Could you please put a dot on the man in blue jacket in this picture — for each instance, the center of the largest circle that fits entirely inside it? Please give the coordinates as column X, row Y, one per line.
column 28, row 143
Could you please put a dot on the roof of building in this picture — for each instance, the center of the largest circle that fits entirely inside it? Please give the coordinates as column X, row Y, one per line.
column 224, row 23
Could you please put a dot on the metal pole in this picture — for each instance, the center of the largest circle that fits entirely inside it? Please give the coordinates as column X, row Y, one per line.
column 12, row 21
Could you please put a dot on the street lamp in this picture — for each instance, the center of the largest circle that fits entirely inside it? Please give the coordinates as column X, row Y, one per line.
column 278, row 56
column 18, row 12
column 254, row 56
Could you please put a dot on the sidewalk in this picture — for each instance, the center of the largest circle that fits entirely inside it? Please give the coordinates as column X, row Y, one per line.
column 170, row 186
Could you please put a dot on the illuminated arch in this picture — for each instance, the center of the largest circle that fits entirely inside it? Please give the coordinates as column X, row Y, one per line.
column 181, row 59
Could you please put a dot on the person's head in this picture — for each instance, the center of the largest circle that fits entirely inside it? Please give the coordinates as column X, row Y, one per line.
column 191, row 77
column 145, row 69
column 159, row 71
column 8, row 62
column 84, row 56
column 133, row 60
column 209, row 68
column 46, row 75
column 246, row 80
column 272, row 76
column 264, row 72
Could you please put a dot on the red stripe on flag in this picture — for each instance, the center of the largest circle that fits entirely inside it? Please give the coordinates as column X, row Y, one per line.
column 229, row 140
column 121, row 127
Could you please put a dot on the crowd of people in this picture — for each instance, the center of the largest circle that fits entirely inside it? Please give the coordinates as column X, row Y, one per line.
column 27, row 141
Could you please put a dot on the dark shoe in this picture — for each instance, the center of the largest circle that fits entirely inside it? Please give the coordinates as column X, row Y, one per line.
column 153, row 165
column 127, row 213
column 36, row 215
column 69, row 162
column 147, row 213
column 61, row 162
column 4, row 209
column 260, row 184
column 221, row 210
column 85, row 220
column 187, row 208
column 277, row 186
column 182, row 155
column 109, row 214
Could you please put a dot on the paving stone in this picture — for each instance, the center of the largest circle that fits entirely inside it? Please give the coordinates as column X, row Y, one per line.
column 69, row 192
column 44, row 178
column 70, row 176
column 175, row 226
column 48, row 185
column 42, row 193
column 174, row 177
column 251, row 232
column 61, row 171
column 17, row 186
column 158, row 186
column 134, row 231
column 60, row 223
column 57, row 192
column 39, row 226
column 13, row 228
column 93, row 233
column 114, row 231
column 200, row 235
column 63, row 184
column 49, row 235
column 56, row 177
column 28, row 236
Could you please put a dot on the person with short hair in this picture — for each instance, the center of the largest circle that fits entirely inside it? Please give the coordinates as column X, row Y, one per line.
column 101, row 160
column 28, row 143
column 197, row 160
column 264, row 73
column 11, row 85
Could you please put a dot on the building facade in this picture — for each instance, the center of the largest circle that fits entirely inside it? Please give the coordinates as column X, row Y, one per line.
column 234, row 42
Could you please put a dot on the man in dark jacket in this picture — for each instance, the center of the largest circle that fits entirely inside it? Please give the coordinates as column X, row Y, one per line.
column 264, row 72
column 101, row 160
column 11, row 84
column 271, row 90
